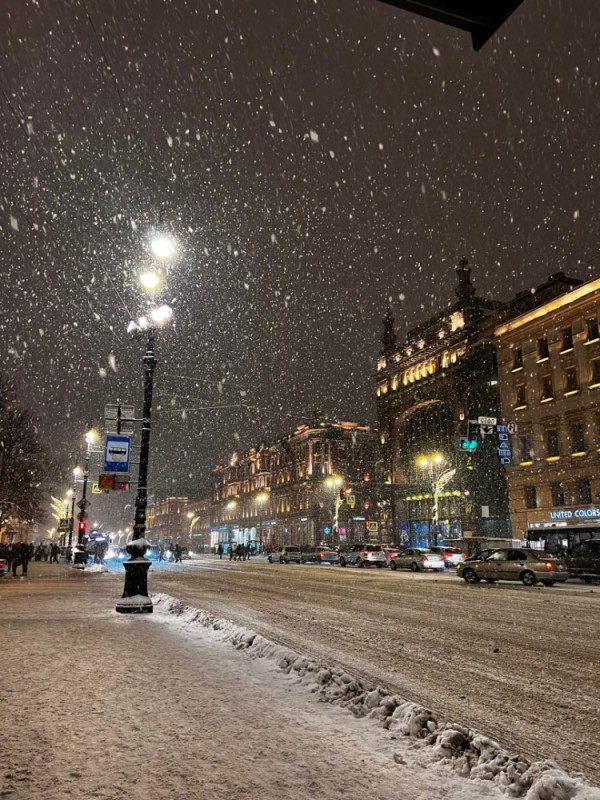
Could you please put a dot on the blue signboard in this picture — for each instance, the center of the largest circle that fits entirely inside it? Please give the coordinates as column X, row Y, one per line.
column 117, row 452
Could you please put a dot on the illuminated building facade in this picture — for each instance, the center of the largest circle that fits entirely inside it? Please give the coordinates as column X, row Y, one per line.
column 428, row 387
column 549, row 366
column 168, row 522
column 288, row 492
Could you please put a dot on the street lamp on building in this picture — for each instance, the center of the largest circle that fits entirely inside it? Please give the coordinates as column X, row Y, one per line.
column 135, row 598
column 439, row 477
column 335, row 483
column 260, row 500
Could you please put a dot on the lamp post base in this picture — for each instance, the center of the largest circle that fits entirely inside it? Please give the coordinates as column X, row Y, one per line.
column 79, row 557
column 135, row 598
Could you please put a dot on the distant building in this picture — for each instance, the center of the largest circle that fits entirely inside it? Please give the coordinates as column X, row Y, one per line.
column 168, row 522
column 428, row 387
column 198, row 516
column 549, row 370
column 289, row 491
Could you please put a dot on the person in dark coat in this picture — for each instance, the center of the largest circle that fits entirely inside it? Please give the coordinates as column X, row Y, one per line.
column 177, row 553
column 220, row 550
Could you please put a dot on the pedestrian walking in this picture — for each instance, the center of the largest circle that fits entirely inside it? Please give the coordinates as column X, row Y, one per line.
column 177, row 553
column 68, row 554
column 220, row 550
column 239, row 552
column 231, row 551
column 248, row 550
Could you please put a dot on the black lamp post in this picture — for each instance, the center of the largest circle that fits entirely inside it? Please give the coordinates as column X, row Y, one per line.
column 135, row 599
column 80, row 554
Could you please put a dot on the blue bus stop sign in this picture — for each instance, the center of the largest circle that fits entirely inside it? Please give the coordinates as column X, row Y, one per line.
column 117, row 453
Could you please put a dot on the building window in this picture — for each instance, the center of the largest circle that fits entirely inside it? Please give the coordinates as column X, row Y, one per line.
column 571, row 385
column 543, row 351
column 595, row 373
column 567, row 340
column 552, row 449
column 526, row 448
column 520, row 396
column 530, row 497
column 546, row 386
column 517, row 359
column 592, row 329
column 584, row 490
column 558, row 493
column 577, row 437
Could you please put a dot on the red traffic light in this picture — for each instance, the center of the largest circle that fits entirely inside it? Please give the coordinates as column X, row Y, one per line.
column 343, row 493
column 82, row 526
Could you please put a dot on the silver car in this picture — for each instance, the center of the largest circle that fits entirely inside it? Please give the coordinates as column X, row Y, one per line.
column 362, row 555
column 418, row 559
column 286, row 554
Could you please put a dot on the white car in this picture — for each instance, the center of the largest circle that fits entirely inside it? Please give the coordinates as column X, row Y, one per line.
column 363, row 555
column 418, row 559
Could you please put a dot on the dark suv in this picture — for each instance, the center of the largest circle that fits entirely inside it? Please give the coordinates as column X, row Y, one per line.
column 584, row 560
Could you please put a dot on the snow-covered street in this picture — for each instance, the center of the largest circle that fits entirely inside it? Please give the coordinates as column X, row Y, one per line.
column 97, row 705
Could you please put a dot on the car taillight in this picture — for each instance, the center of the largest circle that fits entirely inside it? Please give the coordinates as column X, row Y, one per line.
column 549, row 566
column 424, row 558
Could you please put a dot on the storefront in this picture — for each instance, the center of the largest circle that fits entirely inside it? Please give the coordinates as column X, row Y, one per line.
column 561, row 528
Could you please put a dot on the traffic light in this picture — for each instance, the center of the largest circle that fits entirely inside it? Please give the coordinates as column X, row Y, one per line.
column 343, row 493
column 469, row 442
column 82, row 528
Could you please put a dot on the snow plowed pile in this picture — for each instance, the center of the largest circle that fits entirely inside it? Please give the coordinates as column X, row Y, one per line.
column 469, row 753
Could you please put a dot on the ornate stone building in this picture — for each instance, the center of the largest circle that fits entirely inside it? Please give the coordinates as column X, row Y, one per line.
column 288, row 492
column 549, row 368
column 168, row 523
column 428, row 388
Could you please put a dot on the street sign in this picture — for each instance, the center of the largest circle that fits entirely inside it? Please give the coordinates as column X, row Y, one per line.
column 326, row 531
column 486, row 430
column 487, row 420
column 120, row 423
column 121, row 486
column 372, row 526
column 511, row 428
column 117, row 452
column 96, row 488
column 350, row 500
column 106, row 482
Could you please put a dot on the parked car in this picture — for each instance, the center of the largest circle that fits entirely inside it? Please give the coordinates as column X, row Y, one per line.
column 363, row 555
column 418, row 559
column 389, row 551
column 320, row 555
column 513, row 564
column 285, row 555
column 583, row 560
column 451, row 556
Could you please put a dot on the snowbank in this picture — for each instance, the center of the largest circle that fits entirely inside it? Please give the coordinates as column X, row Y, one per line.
column 471, row 754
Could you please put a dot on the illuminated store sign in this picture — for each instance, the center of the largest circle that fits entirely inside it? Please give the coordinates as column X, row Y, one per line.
column 578, row 513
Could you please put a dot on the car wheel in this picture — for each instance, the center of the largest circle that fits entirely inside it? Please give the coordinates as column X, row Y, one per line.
column 548, row 583
column 269, row 559
column 393, row 564
column 414, row 566
column 319, row 560
column 282, row 561
column 342, row 561
column 470, row 576
column 359, row 563
column 528, row 578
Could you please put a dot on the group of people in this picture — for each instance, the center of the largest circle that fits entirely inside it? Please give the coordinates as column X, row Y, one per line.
column 240, row 552
column 19, row 554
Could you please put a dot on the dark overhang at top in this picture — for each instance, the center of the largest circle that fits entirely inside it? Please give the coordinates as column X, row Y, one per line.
column 481, row 18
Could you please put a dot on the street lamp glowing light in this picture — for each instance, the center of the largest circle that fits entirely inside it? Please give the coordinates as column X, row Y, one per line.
column 435, row 459
column 91, row 436
column 162, row 246
column 161, row 315
column 150, row 280
column 262, row 497
column 77, row 472
column 333, row 481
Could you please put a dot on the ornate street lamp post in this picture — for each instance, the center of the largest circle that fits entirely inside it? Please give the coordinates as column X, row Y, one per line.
column 135, row 599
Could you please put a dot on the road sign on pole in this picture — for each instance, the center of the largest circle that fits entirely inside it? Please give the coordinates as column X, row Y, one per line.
column 117, row 452
column 118, row 418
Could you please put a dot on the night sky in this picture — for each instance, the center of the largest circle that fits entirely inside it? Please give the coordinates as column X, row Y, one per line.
column 315, row 159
